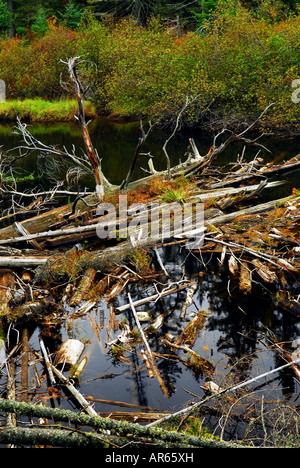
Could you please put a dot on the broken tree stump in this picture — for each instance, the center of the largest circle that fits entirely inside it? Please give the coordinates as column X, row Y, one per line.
column 7, row 283
column 245, row 278
column 69, row 353
column 83, row 288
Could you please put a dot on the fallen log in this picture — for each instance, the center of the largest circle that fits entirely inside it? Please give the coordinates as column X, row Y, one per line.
column 192, row 330
column 44, row 221
column 148, row 350
column 30, row 309
column 188, row 300
column 155, row 297
column 23, row 261
column 136, row 417
column 245, row 278
column 83, row 287
column 133, row 431
column 68, row 353
column 278, row 263
column 270, row 170
column 7, row 283
column 76, row 394
column 21, row 230
column 264, row 272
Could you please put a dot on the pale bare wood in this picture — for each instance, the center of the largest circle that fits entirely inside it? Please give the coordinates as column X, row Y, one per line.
column 148, row 349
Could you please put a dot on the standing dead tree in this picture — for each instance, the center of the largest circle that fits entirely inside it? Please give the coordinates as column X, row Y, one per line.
column 92, row 155
column 90, row 162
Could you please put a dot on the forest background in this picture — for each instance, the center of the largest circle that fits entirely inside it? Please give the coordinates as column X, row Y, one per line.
column 144, row 58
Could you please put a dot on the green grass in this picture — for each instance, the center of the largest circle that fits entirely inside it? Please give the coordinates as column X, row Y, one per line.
column 39, row 110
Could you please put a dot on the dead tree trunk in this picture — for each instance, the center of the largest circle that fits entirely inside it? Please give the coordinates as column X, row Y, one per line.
column 92, row 155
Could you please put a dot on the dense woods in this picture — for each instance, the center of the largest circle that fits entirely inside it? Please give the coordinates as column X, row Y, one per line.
column 144, row 58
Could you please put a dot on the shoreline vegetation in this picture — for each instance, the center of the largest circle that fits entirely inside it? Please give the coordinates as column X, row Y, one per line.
column 239, row 63
column 41, row 110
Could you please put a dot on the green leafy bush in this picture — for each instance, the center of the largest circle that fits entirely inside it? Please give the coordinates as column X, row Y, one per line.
column 241, row 62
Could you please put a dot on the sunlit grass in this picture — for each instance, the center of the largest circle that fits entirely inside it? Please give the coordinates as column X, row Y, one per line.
column 40, row 110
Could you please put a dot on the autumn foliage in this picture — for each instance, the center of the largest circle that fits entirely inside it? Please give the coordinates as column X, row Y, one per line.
column 238, row 64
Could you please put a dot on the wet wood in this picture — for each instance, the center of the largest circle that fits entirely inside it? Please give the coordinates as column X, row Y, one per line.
column 150, row 356
column 7, row 284
column 154, row 297
column 200, row 363
column 69, row 353
column 147, row 364
column 192, row 330
column 264, row 272
column 188, row 300
column 233, row 265
column 76, row 394
column 245, row 284
column 138, row 417
column 83, row 287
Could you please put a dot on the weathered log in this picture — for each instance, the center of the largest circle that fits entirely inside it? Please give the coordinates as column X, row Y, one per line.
column 44, row 221
column 264, row 272
column 154, row 297
column 148, row 350
column 22, row 262
column 68, row 353
column 136, row 416
column 21, row 230
column 233, row 265
column 192, row 330
column 188, row 300
column 30, row 309
column 245, row 278
column 83, row 287
column 7, row 283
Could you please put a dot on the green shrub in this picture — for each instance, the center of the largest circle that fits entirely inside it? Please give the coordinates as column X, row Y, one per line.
column 241, row 62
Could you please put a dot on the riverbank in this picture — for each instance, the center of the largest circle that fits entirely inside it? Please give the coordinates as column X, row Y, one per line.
column 41, row 110
column 63, row 110
column 239, row 64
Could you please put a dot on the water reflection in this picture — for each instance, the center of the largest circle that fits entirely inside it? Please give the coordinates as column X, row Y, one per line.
column 237, row 328
column 116, row 143
column 235, row 334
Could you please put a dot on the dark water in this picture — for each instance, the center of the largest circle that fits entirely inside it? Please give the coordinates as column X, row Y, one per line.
column 236, row 328
column 116, row 143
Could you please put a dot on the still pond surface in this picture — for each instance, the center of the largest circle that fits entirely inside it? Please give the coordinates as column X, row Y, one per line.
column 236, row 327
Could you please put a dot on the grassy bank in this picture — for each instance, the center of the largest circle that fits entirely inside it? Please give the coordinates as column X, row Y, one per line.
column 41, row 110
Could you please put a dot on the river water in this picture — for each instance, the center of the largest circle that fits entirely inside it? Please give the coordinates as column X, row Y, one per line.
column 237, row 328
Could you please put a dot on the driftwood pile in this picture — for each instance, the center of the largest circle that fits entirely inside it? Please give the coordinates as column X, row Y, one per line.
column 54, row 261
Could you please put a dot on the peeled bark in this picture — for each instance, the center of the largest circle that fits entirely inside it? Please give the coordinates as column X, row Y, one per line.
column 7, row 283
column 245, row 278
